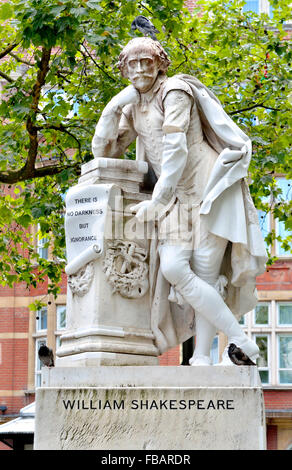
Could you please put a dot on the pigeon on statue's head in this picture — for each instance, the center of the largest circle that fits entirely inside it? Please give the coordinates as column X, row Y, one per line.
column 144, row 26
column 46, row 356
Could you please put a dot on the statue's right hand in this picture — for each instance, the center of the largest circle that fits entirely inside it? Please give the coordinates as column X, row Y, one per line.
column 128, row 95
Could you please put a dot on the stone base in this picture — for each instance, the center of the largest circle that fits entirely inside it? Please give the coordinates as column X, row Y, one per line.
column 151, row 408
column 94, row 359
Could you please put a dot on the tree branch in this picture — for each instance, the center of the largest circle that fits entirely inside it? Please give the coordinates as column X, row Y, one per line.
column 31, row 119
column 59, row 74
column 61, row 128
column 19, row 175
column 145, row 8
column 260, row 105
column 20, row 60
column 6, row 77
column 28, row 170
column 8, row 49
column 97, row 65
column 184, row 48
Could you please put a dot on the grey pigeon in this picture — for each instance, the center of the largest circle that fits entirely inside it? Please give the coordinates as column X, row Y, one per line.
column 46, row 356
column 238, row 357
column 144, row 26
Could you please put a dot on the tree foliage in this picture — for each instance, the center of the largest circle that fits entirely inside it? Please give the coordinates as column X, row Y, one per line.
column 58, row 70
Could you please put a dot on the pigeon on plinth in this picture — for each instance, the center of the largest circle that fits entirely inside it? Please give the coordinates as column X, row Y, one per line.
column 145, row 27
column 238, row 357
column 46, row 356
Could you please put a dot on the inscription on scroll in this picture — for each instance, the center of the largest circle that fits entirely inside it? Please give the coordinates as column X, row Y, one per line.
column 86, row 212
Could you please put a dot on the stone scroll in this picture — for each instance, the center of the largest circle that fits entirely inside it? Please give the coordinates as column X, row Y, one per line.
column 87, row 208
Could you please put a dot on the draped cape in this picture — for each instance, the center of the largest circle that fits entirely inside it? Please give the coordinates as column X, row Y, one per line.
column 229, row 212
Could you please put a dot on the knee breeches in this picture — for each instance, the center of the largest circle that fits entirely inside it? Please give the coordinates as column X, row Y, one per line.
column 205, row 262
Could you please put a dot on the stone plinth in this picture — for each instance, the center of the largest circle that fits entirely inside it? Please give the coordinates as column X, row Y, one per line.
column 151, row 408
column 108, row 300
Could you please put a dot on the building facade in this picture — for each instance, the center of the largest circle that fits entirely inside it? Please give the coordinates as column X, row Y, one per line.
column 22, row 331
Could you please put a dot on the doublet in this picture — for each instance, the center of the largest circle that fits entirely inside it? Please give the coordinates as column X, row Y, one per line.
column 168, row 108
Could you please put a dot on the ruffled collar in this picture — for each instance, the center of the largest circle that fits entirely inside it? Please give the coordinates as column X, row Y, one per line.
column 147, row 97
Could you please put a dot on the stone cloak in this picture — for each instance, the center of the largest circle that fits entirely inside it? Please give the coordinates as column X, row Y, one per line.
column 229, row 213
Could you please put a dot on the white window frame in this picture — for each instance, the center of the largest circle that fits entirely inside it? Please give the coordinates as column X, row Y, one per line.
column 278, row 359
column 283, row 325
column 268, row 367
column 58, row 306
column 41, row 245
column 60, row 330
column 38, row 370
column 243, row 320
column 274, row 330
column 38, row 320
column 58, row 341
column 264, row 325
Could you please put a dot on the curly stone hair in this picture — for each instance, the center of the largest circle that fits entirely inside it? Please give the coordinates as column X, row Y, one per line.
column 143, row 44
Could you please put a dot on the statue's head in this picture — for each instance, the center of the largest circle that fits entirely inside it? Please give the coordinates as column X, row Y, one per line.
column 141, row 61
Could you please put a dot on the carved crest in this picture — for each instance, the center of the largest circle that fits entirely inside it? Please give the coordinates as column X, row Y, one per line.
column 126, row 268
column 80, row 282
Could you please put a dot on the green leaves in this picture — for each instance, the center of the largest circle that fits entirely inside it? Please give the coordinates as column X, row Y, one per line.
column 6, row 11
column 239, row 56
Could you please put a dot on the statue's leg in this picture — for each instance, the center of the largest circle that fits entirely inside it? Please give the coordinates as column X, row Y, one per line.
column 206, row 263
column 204, row 298
column 174, row 262
column 205, row 333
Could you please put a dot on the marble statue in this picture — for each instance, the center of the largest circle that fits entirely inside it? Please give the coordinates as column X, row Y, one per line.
column 208, row 248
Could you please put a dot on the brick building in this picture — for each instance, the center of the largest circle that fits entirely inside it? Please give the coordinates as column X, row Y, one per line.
column 22, row 331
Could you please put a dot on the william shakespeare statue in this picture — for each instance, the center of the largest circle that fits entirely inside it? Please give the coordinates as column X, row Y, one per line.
column 206, row 263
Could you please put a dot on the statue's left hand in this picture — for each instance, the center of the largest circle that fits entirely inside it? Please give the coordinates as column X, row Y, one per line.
column 145, row 211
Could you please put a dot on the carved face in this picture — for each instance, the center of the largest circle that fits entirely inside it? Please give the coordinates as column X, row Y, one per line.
column 142, row 70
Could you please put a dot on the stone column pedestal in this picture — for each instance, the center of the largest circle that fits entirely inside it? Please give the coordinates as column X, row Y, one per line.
column 108, row 303
column 150, row 408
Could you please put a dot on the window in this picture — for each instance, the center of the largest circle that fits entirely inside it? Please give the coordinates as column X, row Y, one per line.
column 58, row 342
column 242, row 320
column 262, row 314
column 42, row 245
column 41, row 319
column 40, row 340
column 38, row 364
column 263, row 361
column 270, row 325
column 285, row 358
column 266, row 219
column 285, row 314
column 61, row 323
column 61, row 317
